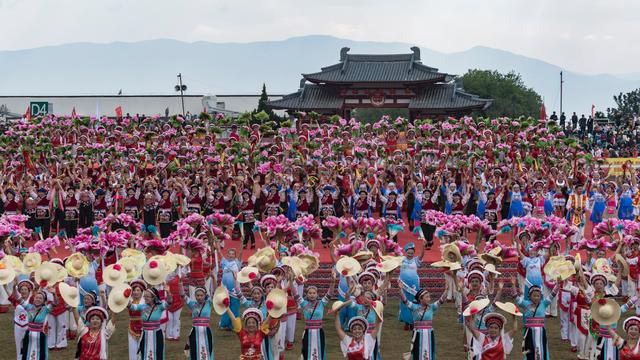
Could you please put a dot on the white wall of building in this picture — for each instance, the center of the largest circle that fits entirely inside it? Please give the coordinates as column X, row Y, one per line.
column 132, row 104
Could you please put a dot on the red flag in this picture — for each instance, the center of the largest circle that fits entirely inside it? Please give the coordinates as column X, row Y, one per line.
column 593, row 111
column 27, row 161
column 119, row 112
column 73, row 113
column 543, row 112
column 27, row 115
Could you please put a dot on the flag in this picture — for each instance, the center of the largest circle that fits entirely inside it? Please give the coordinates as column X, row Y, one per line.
column 73, row 113
column 119, row 112
column 543, row 112
column 27, row 115
column 120, row 92
column 593, row 111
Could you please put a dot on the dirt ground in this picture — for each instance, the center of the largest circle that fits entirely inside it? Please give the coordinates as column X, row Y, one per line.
column 395, row 341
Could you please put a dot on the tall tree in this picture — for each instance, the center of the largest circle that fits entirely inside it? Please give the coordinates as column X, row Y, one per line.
column 511, row 97
column 627, row 106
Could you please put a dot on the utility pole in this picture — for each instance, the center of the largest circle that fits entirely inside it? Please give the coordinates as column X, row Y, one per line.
column 182, row 89
column 561, row 82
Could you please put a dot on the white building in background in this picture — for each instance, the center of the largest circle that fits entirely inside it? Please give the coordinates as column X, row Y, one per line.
column 149, row 105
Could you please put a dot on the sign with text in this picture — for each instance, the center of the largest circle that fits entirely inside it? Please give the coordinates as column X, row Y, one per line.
column 618, row 165
column 39, row 108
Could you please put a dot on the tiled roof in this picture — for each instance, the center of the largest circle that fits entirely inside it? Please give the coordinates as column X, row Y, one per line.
column 446, row 96
column 310, row 97
column 403, row 68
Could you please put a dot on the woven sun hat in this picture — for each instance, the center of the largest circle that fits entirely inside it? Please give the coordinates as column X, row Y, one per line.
column 7, row 274
column 47, row 274
column 119, row 297
column 310, row 263
column 337, row 305
column 475, row 307
column 363, row 255
column 77, row 265
column 605, row 311
column 31, row 262
column 13, row 262
column 130, row 267
column 247, row 274
column 293, row 262
column 276, row 303
column 451, row 249
column 264, row 259
column 623, row 266
column 180, row 259
column 220, row 300
column 509, row 308
column 386, row 266
column 494, row 318
column 492, row 256
column 491, row 268
column 138, row 255
column 348, row 266
column 169, row 262
column 602, row 266
column 154, row 272
column 378, row 308
column 70, row 294
column 560, row 269
column 114, row 274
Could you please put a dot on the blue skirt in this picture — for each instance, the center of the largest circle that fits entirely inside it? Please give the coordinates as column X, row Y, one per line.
column 598, row 210
column 516, row 210
column 625, row 212
column 411, row 279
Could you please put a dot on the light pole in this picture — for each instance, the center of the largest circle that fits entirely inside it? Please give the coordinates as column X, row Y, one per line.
column 182, row 88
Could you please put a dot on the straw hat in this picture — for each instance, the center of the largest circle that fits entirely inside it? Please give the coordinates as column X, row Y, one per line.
column 347, row 266
column 114, row 274
column 337, row 305
column 62, row 272
column 70, row 294
column 264, row 259
column 220, row 300
column 7, row 274
column 47, row 274
column 453, row 250
column 276, row 303
column 491, row 268
column 31, row 262
column 310, row 263
column 605, row 311
column 77, row 265
column 623, row 266
column 168, row 261
column 247, row 274
column 138, row 255
column 295, row 263
column 388, row 265
column 180, row 259
column 154, row 272
column 492, row 257
column 509, row 308
column 363, row 255
column 130, row 267
column 378, row 308
column 475, row 307
column 119, row 297
column 13, row 262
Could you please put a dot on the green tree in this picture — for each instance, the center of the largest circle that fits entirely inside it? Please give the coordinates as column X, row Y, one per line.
column 627, row 105
column 511, row 97
column 263, row 107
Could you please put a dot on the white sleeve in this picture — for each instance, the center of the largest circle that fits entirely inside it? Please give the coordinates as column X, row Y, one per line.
column 344, row 345
column 507, row 343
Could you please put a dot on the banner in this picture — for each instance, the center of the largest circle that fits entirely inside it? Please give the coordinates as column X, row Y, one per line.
column 616, row 165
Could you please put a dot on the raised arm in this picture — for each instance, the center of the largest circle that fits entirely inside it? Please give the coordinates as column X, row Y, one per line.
column 341, row 334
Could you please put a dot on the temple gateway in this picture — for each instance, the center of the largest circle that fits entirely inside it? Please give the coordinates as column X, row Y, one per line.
column 381, row 81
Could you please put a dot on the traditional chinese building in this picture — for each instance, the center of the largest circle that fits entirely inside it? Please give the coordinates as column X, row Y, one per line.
column 381, row 81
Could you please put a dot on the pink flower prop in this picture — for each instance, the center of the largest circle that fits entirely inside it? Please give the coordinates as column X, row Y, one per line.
column 45, row 246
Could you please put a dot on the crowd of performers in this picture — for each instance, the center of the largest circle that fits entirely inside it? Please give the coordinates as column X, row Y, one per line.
column 147, row 210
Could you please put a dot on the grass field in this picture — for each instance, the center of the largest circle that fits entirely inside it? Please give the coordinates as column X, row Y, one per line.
column 395, row 340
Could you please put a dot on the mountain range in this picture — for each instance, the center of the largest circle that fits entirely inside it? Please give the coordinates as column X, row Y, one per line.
column 150, row 67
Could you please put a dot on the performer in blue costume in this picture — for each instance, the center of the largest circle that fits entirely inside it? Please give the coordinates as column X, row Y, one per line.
column 409, row 280
column 230, row 266
column 200, row 338
column 152, row 340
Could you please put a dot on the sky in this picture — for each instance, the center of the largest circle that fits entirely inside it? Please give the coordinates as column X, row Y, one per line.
column 586, row 36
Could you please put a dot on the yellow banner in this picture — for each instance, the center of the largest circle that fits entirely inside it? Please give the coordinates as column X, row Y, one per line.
column 615, row 165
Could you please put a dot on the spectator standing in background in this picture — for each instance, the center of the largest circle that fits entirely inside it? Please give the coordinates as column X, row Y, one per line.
column 574, row 120
column 563, row 119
